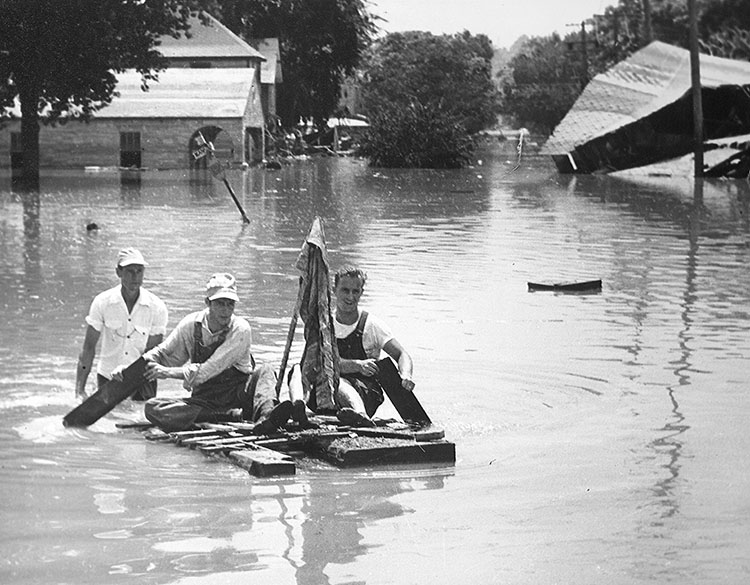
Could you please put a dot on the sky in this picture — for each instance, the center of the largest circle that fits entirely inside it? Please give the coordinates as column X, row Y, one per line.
column 503, row 21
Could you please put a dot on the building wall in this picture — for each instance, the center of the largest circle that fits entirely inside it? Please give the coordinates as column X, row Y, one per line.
column 165, row 144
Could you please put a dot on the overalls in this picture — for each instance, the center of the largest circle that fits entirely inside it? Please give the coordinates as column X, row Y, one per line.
column 225, row 390
column 351, row 348
column 216, row 396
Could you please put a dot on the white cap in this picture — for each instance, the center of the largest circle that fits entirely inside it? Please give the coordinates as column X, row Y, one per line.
column 128, row 256
column 221, row 286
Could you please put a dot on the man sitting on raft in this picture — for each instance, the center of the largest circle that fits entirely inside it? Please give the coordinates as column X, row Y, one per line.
column 360, row 338
column 210, row 351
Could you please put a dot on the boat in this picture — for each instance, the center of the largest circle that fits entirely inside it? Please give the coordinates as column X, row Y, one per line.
column 583, row 286
column 390, row 442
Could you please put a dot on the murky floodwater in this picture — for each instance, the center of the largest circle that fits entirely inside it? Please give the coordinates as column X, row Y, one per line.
column 601, row 438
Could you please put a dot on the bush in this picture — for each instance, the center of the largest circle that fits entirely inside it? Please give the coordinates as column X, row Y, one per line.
column 416, row 136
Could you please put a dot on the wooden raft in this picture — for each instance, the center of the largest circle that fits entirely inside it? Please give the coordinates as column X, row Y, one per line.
column 388, row 443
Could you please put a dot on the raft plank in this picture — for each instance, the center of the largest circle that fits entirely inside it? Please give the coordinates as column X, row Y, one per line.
column 346, row 455
column 263, row 462
column 227, row 444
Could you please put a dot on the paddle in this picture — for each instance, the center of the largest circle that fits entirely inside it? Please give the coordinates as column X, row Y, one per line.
column 107, row 397
column 405, row 402
column 206, row 149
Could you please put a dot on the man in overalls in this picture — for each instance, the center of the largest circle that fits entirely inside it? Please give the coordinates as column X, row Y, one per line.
column 360, row 338
column 210, row 351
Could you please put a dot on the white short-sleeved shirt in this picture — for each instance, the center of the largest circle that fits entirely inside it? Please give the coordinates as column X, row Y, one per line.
column 374, row 337
column 124, row 335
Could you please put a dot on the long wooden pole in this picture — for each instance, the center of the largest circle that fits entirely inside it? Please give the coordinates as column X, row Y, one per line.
column 290, row 337
column 695, row 77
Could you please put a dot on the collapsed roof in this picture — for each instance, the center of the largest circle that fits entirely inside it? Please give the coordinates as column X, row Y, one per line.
column 640, row 111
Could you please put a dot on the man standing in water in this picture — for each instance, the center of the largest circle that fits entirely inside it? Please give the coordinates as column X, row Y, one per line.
column 360, row 338
column 129, row 319
column 210, row 351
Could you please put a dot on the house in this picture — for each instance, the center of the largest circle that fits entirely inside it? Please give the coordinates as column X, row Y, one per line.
column 640, row 112
column 211, row 88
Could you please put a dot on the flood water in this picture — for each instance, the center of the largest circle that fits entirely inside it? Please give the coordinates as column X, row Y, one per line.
column 601, row 438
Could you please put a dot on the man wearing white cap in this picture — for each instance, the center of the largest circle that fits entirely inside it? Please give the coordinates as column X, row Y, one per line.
column 129, row 320
column 210, row 351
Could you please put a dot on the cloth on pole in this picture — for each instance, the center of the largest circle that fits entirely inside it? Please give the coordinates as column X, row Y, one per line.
column 320, row 358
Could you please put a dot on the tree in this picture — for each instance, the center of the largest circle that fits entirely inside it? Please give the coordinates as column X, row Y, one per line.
column 453, row 71
column 58, row 58
column 724, row 29
column 426, row 95
column 544, row 84
column 416, row 136
column 321, row 42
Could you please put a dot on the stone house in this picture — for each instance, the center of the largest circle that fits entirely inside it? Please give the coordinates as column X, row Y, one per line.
column 212, row 87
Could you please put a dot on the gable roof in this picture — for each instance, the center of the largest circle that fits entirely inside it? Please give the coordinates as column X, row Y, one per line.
column 207, row 41
column 183, row 93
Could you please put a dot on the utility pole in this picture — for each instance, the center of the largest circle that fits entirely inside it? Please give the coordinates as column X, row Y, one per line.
column 648, row 33
column 695, row 78
column 585, row 64
column 584, row 42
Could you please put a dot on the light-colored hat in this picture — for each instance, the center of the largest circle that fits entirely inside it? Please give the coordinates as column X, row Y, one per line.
column 128, row 256
column 221, row 286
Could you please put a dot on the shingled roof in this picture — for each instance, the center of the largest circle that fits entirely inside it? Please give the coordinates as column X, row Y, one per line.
column 183, row 93
column 207, row 41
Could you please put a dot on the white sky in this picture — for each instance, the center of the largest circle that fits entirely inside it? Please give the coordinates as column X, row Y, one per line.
column 503, row 21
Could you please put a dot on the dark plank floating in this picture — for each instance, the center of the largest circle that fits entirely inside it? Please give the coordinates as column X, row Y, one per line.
column 583, row 286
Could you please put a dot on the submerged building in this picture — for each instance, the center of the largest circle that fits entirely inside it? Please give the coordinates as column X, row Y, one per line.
column 639, row 112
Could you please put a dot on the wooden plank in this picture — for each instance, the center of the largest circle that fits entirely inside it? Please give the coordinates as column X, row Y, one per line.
column 226, row 445
column 263, row 462
column 395, row 451
column 406, row 403
column 107, row 397
column 138, row 425
column 429, row 433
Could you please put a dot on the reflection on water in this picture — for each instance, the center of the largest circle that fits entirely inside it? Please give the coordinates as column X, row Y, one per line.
column 592, row 431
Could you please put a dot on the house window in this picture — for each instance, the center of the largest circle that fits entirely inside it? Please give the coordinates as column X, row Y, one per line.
column 200, row 64
column 130, row 149
column 16, row 150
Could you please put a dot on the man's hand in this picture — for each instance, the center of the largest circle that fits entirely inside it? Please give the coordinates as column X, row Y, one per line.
column 368, row 367
column 81, row 393
column 155, row 371
column 117, row 373
column 407, row 384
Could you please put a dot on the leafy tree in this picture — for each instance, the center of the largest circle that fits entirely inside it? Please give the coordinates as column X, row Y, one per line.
column 321, row 42
column 416, row 136
column 453, row 71
column 425, row 96
column 58, row 58
column 724, row 29
column 544, row 84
